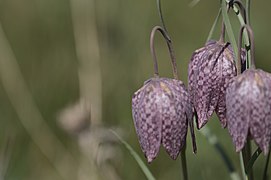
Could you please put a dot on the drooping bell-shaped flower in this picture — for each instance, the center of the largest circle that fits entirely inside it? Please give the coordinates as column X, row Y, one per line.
column 162, row 111
column 209, row 72
column 248, row 101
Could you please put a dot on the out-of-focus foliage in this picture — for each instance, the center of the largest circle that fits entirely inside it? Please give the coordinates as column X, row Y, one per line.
column 41, row 36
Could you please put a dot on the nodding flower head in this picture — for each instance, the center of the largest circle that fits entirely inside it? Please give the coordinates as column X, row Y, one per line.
column 209, row 72
column 162, row 111
column 248, row 101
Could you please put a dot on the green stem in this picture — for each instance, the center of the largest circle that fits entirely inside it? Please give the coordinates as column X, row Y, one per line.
column 243, row 166
column 246, row 153
column 214, row 26
column 139, row 161
column 265, row 176
column 229, row 28
column 252, row 160
column 243, row 21
column 248, row 11
column 159, row 7
column 184, row 164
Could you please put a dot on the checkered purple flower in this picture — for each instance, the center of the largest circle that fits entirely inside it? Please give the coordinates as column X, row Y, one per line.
column 209, row 72
column 248, row 100
column 161, row 111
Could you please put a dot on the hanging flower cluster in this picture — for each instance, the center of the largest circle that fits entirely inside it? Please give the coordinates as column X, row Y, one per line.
column 163, row 109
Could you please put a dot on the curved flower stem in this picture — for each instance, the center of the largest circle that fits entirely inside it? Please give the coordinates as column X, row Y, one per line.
column 229, row 27
column 252, row 49
column 170, row 48
column 265, row 176
column 184, row 164
column 159, row 7
column 236, row 5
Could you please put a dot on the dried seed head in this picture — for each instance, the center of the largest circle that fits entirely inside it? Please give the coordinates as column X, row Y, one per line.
column 210, row 70
column 161, row 109
column 248, row 102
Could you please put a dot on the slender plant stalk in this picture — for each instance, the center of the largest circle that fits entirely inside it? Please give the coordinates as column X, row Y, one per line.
column 139, row 161
column 88, row 55
column 246, row 154
column 159, row 7
column 29, row 114
column 184, row 164
column 252, row 160
column 170, row 48
column 229, row 27
column 213, row 140
column 242, row 19
column 5, row 157
column 265, row 176
column 214, row 26
column 194, row 3
column 244, row 174
column 248, row 11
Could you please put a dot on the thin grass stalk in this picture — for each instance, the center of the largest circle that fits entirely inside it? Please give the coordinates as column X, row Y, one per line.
column 29, row 115
column 137, row 158
column 248, row 2
column 244, row 174
column 229, row 27
column 265, row 175
column 213, row 140
column 88, row 55
column 252, row 160
column 210, row 35
column 184, row 164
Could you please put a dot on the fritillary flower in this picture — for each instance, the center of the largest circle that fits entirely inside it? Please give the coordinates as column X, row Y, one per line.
column 162, row 111
column 248, row 101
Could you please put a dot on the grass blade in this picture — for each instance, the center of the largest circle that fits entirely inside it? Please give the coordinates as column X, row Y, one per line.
column 139, row 161
column 229, row 28
column 213, row 140
column 194, row 3
column 252, row 160
column 265, row 175
column 214, row 25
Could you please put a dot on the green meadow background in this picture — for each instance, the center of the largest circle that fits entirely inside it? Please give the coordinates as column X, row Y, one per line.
column 55, row 52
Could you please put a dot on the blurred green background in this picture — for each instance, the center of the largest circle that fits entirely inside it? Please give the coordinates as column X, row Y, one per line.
column 55, row 52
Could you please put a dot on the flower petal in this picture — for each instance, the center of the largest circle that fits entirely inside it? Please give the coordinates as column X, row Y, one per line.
column 174, row 127
column 147, row 118
column 228, row 71
column 238, row 110
column 260, row 124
